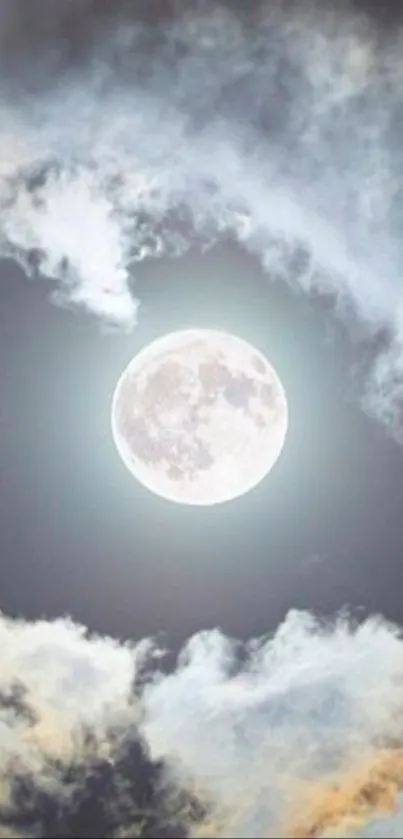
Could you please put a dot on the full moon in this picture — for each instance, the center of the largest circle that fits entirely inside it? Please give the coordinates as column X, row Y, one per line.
column 199, row 417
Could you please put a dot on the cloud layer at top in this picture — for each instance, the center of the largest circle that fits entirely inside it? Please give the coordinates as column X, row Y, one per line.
column 283, row 129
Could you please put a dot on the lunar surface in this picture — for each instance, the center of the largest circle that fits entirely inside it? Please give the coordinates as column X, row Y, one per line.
column 199, row 417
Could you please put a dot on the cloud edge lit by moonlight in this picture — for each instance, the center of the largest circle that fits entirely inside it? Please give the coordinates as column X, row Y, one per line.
column 303, row 738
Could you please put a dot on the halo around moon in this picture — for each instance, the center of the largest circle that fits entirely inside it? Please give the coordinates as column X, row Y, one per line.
column 199, row 417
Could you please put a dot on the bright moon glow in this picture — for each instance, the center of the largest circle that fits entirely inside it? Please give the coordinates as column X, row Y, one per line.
column 199, row 417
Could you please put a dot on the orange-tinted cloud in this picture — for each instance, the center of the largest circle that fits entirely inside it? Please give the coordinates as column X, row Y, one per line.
column 343, row 803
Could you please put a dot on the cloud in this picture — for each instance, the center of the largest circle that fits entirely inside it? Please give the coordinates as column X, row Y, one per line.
column 121, row 141
column 65, row 699
column 299, row 734
column 266, row 742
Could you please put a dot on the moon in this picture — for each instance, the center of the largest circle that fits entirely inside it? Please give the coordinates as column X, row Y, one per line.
column 199, row 417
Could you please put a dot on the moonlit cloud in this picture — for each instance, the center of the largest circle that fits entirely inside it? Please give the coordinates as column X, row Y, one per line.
column 70, row 683
column 313, row 706
column 284, row 133
column 66, row 700
column 298, row 736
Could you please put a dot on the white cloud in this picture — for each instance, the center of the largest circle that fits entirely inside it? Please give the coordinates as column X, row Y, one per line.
column 57, row 686
column 260, row 740
column 287, row 133
column 312, row 701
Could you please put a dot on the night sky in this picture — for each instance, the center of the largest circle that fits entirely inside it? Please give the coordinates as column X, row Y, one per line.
column 82, row 539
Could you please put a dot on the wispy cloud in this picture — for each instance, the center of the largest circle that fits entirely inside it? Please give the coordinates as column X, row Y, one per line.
column 284, row 133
